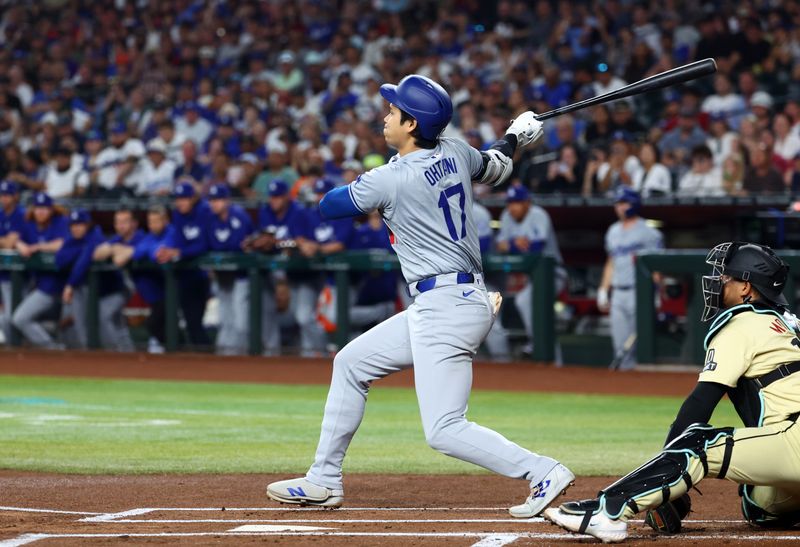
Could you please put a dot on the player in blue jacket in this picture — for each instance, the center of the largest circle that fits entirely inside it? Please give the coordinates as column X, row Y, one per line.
column 229, row 226
column 44, row 231
column 424, row 194
column 149, row 282
column 74, row 259
column 190, row 216
column 281, row 221
column 12, row 220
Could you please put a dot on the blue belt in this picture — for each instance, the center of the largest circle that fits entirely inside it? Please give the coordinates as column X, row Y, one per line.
column 430, row 282
column 624, row 287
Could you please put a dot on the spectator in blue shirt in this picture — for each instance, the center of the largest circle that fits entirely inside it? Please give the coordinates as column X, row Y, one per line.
column 43, row 232
column 228, row 228
column 340, row 99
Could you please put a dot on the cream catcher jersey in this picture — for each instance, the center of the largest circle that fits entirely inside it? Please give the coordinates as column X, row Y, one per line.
column 425, row 198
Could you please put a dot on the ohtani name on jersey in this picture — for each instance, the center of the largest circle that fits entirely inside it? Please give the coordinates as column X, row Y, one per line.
column 441, row 168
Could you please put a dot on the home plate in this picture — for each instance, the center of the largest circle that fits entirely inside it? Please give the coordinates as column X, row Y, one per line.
column 275, row 528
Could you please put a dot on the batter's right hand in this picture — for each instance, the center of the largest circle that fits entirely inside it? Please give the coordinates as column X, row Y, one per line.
column 526, row 128
column 602, row 299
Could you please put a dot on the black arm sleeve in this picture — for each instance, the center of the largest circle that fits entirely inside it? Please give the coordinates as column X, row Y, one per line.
column 697, row 408
column 507, row 145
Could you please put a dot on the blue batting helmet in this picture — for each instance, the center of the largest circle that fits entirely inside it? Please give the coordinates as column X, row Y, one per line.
column 424, row 100
column 629, row 195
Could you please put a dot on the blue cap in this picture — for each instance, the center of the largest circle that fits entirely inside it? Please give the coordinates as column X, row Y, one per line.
column 119, row 127
column 278, row 187
column 219, row 191
column 191, row 105
column 517, row 192
column 323, row 186
column 183, row 190
column 40, row 199
column 77, row 216
column 94, row 135
column 9, row 188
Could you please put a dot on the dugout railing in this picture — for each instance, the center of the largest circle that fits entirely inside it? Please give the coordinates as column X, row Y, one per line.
column 540, row 269
column 690, row 262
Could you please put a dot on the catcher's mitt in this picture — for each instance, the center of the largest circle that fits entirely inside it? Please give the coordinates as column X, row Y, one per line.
column 666, row 518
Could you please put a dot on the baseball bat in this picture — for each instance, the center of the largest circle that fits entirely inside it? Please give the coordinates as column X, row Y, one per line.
column 674, row 76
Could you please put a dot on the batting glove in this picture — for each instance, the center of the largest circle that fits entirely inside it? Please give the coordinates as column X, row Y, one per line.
column 526, row 128
column 602, row 299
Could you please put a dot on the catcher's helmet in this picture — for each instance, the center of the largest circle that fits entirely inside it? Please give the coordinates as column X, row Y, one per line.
column 424, row 100
column 629, row 195
column 751, row 262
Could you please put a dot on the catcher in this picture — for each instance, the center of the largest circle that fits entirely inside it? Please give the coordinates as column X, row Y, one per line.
column 753, row 356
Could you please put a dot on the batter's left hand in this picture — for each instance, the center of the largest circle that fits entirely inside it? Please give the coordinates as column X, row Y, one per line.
column 526, row 128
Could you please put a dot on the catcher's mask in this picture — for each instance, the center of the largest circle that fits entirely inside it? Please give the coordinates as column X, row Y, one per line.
column 757, row 264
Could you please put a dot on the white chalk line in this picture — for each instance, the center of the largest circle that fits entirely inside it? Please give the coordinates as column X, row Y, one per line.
column 24, row 539
column 110, row 517
column 35, row 510
column 325, row 521
column 292, row 509
column 28, row 538
column 120, row 517
column 496, row 540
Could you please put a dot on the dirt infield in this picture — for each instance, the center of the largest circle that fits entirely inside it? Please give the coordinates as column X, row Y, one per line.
column 380, row 510
column 50, row 509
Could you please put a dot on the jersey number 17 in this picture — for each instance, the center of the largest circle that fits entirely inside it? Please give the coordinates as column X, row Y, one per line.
column 444, row 205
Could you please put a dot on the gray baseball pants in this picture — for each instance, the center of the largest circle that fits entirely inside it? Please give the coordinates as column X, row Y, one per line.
column 438, row 336
column 234, row 309
column 5, row 317
column 24, row 318
column 114, row 332
column 623, row 323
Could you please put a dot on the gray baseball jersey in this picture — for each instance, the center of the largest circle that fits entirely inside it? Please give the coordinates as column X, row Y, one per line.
column 483, row 221
column 425, row 198
column 536, row 227
column 622, row 244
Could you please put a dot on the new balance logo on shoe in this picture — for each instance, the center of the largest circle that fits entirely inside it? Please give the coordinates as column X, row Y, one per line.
column 540, row 490
column 296, row 492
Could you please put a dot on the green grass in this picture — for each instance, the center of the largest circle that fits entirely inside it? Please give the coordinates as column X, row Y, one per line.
column 124, row 426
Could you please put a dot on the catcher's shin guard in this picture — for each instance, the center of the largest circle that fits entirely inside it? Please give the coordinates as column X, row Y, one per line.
column 667, row 476
column 758, row 516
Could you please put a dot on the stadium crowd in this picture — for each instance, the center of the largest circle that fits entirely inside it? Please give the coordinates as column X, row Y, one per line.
column 110, row 99
column 273, row 101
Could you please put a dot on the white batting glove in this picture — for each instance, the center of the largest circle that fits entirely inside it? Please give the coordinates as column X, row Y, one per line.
column 496, row 300
column 602, row 299
column 526, row 128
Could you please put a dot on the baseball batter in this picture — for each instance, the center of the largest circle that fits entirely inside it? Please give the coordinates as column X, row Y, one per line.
column 753, row 356
column 424, row 195
column 626, row 237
